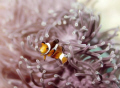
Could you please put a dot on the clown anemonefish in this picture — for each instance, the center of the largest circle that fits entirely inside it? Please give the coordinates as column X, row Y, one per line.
column 53, row 50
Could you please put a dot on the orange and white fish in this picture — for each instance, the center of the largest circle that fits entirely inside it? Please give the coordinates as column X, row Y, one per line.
column 53, row 50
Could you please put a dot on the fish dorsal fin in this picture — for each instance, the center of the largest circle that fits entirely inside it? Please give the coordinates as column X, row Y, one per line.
column 56, row 41
column 53, row 44
column 55, row 48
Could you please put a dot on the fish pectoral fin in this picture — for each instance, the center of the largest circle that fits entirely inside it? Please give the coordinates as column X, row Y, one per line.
column 51, row 53
column 44, row 58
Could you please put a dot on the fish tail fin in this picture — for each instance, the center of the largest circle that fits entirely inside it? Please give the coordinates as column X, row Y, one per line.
column 64, row 60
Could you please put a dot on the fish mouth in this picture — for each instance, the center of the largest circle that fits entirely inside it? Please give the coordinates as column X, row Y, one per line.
column 42, row 51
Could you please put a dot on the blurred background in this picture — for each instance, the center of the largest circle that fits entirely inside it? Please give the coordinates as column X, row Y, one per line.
column 109, row 11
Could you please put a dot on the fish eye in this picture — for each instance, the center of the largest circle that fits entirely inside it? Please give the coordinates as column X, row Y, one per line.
column 47, row 48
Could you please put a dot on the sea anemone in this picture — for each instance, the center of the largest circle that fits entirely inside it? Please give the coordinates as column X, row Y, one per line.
column 93, row 60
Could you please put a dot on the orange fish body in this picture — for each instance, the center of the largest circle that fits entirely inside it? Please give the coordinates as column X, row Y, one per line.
column 53, row 50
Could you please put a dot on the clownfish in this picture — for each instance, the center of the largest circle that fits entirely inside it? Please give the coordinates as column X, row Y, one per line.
column 53, row 50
